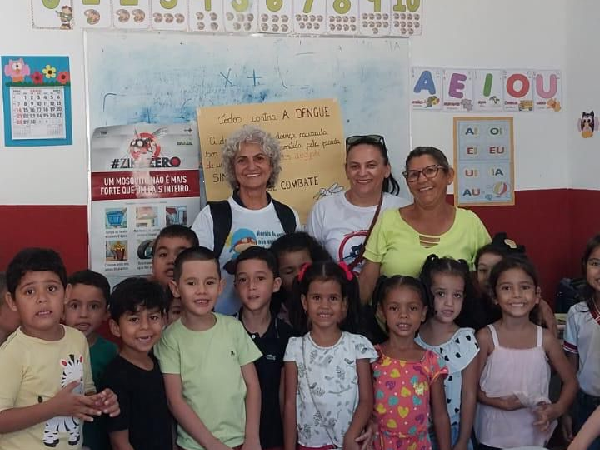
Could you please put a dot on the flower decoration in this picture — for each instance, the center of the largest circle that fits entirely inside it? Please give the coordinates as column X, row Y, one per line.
column 37, row 78
column 64, row 77
column 49, row 71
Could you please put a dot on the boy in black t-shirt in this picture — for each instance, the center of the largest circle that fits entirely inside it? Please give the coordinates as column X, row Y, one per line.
column 137, row 307
column 256, row 280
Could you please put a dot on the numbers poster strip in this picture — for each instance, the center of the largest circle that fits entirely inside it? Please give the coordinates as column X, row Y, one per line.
column 143, row 178
column 312, row 144
column 36, row 100
column 484, row 161
column 366, row 18
column 489, row 90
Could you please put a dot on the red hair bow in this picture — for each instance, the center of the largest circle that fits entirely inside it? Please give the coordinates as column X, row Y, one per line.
column 346, row 270
column 302, row 271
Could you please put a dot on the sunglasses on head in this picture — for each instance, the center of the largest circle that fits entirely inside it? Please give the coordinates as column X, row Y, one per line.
column 376, row 139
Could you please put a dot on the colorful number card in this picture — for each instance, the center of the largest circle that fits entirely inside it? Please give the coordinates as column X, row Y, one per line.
column 241, row 16
column 169, row 15
column 342, row 17
column 275, row 16
column 36, row 97
column 206, row 16
column 92, row 13
column 310, row 16
column 131, row 14
column 375, row 17
column 406, row 18
column 484, row 161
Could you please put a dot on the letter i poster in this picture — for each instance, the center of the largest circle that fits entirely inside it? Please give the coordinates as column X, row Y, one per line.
column 143, row 177
column 484, row 161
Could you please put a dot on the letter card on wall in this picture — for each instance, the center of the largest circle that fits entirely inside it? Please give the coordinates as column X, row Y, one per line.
column 484, row 161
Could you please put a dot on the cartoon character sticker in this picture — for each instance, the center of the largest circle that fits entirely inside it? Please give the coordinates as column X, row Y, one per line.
column 587, row 124
column 66, row 17
column 17, row 70
column 242, row 239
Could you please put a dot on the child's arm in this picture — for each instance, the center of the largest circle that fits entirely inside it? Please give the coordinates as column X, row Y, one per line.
column 439, row 414
column 589, row 431
column 547, row 413
column 186, row 416
column 509, row 403
column 468, row 404
column 566, row 421
column 251, row 438
column 282, row 391
column 364, row 409
column 64, row 403
column 119, row 440
column 290, row 432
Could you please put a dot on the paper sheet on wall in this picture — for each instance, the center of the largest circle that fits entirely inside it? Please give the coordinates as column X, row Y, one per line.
column 52, row 14
column 488, row 90
column 88, row 14
column 143, row 178
column 312, row 142
column 547, row 90
column 518, row 95
column 484, row 161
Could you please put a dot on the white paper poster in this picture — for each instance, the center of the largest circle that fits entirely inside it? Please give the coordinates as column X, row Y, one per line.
column 342, row 17
column 95, row 14
column 144, row 177
column 135, row 17
column 52, row 14
column 241, row 16
column 170, row 15
column 310, row 17
column 458, row 90
column 375, row 18
column 488, row 89
column 275, row 16
column 518, row 91
column 205, row 16
column 547, row 90
column 427, row 88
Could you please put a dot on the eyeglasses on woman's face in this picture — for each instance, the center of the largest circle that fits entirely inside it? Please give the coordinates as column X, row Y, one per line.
column 428, row 172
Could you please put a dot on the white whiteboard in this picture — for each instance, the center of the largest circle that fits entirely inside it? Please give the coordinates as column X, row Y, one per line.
column 163, row 77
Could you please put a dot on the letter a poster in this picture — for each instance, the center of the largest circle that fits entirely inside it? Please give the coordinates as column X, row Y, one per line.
column 484, row 161
column 312, row 148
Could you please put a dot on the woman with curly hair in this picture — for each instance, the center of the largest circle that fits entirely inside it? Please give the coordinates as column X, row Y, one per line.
column 250, row 216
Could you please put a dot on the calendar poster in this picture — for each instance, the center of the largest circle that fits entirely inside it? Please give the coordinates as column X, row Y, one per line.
column 36, row 100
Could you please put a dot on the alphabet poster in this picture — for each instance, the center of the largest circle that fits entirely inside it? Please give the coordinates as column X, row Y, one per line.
column 484, row 161
column 489, row 90
column 312, row 148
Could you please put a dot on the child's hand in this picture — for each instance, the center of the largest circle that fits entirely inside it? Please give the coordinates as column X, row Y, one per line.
column 66, row 403
column 218, row 445
column 251, row 444
column 511, row 403
column 365, row 440
column 350, row 443
column 567, row 427
column 546, row 413
column 107, row 402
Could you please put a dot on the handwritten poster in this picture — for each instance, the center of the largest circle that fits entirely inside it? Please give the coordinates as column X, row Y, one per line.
column 312, row 144
column 143, row 178
column 36, row 97
column 484, row 161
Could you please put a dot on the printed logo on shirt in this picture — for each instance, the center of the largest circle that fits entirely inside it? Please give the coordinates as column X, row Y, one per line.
column 351, row 246
column 240, row 240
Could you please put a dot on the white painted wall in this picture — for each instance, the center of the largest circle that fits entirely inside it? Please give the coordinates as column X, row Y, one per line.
column 584, row 94
column 465, row 33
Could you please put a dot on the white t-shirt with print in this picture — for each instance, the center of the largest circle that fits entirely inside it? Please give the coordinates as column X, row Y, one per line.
column 248, row 228
column 327, row 393
column 342, row 227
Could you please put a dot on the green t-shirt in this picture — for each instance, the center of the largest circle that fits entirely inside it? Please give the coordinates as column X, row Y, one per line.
column 401, row 250
column 94, row 433
column 209, row 363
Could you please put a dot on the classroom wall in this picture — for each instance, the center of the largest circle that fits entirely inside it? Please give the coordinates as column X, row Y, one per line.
column 470, row 33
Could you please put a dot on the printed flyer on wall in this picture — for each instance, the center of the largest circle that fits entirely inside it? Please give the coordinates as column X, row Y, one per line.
column 143, row 178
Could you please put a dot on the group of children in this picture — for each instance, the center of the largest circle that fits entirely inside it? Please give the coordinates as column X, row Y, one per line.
column 446, row 360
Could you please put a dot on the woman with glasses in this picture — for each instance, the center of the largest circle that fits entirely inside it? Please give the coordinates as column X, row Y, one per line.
column 341, row 222
column 402, row 238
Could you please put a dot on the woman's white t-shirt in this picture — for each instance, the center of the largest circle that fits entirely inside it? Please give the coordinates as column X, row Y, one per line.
column 342, row 227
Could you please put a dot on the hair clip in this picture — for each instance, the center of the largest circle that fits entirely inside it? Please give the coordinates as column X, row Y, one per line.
column 302, row 271
column 346, row 270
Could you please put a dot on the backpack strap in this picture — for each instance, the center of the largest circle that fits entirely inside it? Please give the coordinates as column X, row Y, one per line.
column 222, row 221
column 285, row 214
